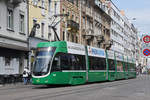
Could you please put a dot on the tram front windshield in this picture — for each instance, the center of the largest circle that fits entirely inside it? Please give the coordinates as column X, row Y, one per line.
column 43, row 60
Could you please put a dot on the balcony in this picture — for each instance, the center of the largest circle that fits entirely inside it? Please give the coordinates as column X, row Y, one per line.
column 89, row 12
column 72, row 24
column 101, row 5
column 100, row 38
column 83, row 8
column 98, row 18
column 14, row 2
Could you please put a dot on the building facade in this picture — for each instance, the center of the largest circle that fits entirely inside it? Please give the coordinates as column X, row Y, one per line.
column 13, row 37
column 42, row 12
column 70, row 25
column 123, row 33
column 95, row 23
column 87, row 21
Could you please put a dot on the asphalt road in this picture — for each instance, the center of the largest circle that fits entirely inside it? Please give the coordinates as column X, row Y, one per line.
column 132, row 89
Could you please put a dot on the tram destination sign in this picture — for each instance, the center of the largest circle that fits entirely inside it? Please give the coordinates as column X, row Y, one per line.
column 75, row 48
column 110, row 54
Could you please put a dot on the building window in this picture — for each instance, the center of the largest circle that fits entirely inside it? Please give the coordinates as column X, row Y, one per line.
column 49, row 32
column 83, row 20
column 63, row 11
column 49, row 5
column 43, row 7
column 68, row 17
column 76, row 39
column 7, row 61
column 72, row 38
column 84, row 2
column 77, row 20
column 68, row 36
column 42, row 29
column 35, row 2
column 10, row 19
column 77, row 3
column 63, row 35
column 22, row 25
column 55, row 7
column 72, row 17
column 88, row 4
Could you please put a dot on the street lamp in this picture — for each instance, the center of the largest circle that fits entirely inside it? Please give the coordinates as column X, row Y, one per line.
column 33, row 31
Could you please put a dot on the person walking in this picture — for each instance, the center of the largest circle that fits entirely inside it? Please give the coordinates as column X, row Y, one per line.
column 25, row 75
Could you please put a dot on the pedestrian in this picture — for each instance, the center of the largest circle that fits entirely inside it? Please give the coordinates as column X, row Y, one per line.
column 25, row 75
column 29, row 78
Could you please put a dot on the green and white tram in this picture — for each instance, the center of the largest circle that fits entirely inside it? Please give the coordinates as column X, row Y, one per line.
column 111, row 63
column 97, row 68
column 119, row 66
column 131, row 67
column 64, row 62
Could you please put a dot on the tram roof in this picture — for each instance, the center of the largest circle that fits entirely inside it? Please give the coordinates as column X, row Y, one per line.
column 52, row 44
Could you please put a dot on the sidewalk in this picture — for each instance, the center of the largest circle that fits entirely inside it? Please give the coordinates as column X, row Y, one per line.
column 16, row 85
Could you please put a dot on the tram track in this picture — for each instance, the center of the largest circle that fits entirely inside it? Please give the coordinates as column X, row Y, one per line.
column 74, row 90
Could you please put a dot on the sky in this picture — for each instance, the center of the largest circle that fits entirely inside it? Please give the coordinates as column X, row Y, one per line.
column 139, row 9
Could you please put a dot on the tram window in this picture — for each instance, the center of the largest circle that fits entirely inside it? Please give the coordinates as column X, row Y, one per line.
column 129, row 64
column 126, row 66
column 97, row 63
column 132, row 67
column 68, row 62
column 79, row 62
column 119, row 66
column 111, row 64
column 56, row 64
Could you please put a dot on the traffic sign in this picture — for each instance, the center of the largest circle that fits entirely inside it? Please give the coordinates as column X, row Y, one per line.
column 146, row 39
column 146, row 52
column 145, row 45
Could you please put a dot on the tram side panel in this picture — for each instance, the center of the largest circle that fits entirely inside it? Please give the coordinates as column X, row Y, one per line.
column 111, row 65
column 119, row 66
column 97, row 64
column 73, row 69
column 97, row 69
column 112, row 73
